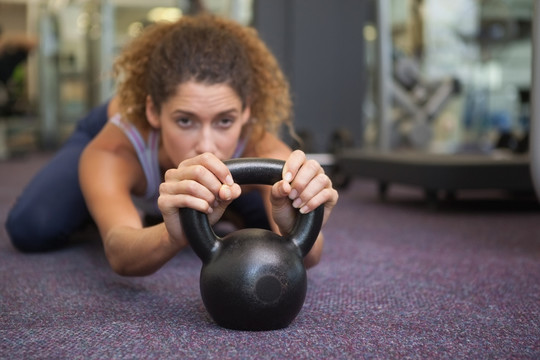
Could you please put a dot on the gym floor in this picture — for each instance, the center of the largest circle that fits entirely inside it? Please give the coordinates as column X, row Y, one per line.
column 398, row 279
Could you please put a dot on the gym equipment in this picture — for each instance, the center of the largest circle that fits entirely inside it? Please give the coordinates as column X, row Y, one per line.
column 252, row 279
column 419, row 101
column 438, row 172
column 514, row 172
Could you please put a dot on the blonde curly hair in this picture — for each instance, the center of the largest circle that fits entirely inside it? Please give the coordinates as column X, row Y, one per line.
column 205, row 49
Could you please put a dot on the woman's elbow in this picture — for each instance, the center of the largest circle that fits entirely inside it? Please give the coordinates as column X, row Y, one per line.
column 124, row 266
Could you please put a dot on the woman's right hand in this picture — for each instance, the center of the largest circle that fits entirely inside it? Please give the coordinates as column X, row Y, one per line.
column 202, row 183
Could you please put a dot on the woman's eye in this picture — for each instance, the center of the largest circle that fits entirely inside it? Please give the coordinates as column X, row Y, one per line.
column 184, row 122
column 225, row 123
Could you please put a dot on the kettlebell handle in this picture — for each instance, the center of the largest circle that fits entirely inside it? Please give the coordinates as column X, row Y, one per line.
column 202, row 237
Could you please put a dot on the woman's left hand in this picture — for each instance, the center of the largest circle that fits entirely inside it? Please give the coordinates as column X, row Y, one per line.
column 304, row 186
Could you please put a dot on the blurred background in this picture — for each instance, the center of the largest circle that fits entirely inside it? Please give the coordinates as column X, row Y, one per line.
column 441, row 76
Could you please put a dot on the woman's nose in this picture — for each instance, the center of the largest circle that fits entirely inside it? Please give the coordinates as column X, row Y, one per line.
column 205, row 142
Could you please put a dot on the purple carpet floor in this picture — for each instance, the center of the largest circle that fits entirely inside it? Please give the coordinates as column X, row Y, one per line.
column 398, row 280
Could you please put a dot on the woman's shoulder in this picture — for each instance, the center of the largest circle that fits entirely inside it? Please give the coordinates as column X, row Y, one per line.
column 113, row 144
column 112, row 137
column 110, row 153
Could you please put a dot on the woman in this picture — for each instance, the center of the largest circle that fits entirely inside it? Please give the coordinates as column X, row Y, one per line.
column 190, row 94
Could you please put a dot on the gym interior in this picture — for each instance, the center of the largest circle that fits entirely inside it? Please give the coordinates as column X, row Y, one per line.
column 424, row 113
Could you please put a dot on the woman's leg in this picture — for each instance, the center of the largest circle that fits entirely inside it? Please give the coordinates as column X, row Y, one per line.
column 52, row 206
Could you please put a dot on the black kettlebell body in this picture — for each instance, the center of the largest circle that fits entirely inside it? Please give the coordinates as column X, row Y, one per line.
column 251, row 284
column 252, row 279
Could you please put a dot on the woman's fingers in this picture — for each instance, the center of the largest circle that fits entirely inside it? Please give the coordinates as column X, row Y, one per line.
column 212, row 164
column 293, row 164
column 200, row 183
column 313, row 194
column 307, row 180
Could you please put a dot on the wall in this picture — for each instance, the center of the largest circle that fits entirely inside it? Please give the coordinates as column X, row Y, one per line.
column 320, row 45
column 13, row 18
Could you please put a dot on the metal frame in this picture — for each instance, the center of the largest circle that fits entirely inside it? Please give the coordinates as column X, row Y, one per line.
column 535, row 101
column 383, row 75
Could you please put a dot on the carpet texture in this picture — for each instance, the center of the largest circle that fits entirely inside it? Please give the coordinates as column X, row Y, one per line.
column 398, row 279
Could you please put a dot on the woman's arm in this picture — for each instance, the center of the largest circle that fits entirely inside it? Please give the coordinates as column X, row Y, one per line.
column 108, row 173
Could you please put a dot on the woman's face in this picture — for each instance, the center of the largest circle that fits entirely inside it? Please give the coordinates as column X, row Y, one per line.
column 199, row 118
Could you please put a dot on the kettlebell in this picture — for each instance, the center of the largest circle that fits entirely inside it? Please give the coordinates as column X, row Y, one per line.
column 252, row 279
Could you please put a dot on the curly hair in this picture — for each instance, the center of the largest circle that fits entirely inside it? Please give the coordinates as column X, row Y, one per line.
column 205, row 49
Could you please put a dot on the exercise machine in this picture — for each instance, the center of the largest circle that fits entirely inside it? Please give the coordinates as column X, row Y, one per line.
column 450, row 173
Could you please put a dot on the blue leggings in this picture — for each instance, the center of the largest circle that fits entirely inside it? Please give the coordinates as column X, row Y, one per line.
column 52, row 206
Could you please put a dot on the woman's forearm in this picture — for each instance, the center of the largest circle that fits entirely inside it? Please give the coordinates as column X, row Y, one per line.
column 314, row 255
column 139, row 252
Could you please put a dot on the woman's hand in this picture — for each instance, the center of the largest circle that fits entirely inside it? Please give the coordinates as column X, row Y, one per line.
column 303, row 188
column 202, row 183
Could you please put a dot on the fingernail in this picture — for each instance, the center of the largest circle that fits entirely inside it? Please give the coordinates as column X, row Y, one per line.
column 210, row 210
column 304, row 210
column 228, row 180
column 296, row 203
column 293, row 194
column 288, row 177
